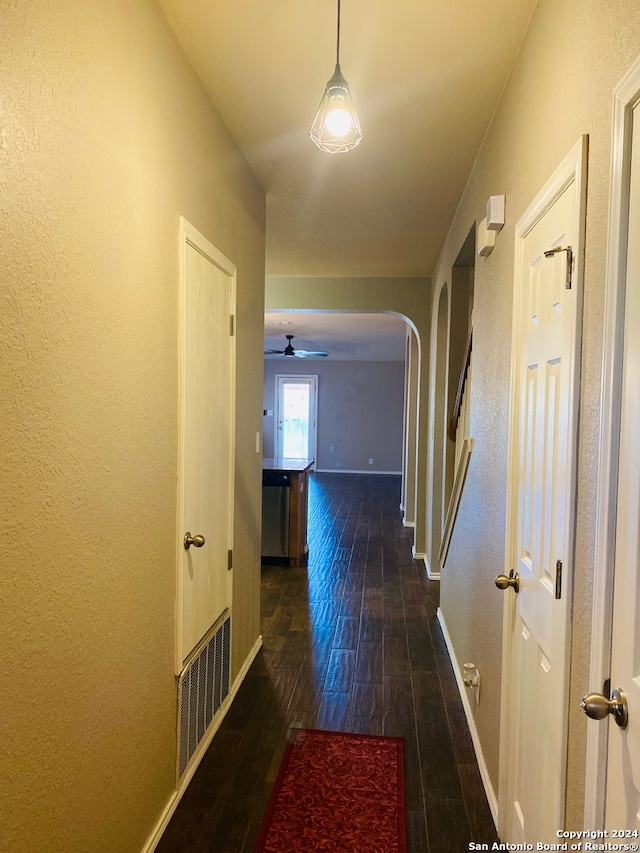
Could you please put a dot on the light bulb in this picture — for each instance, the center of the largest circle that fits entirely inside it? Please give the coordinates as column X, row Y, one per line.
column 335, row 127
column 338, row 122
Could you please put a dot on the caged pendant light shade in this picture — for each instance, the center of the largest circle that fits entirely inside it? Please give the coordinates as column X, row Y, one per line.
column 336, row 127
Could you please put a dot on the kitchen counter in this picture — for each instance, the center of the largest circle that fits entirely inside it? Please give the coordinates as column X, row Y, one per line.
column 286, row 464
column 284, row 511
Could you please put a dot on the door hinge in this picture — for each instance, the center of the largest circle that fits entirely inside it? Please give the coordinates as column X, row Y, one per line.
column 569, row 272
column 232, row 324
column 230, row 559
column 558, row 579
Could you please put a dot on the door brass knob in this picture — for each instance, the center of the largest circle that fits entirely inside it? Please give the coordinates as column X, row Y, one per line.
column 596, row 706
column 189, row 540
column 513, row 581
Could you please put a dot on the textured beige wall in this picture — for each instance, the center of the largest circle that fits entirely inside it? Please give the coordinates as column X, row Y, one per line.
column 106, row 137
column 409, row 297
column 561, row 87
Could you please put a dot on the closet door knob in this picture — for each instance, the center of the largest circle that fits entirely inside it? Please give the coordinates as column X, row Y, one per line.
column 597, row 707
column 513, row 581
column 189, row 540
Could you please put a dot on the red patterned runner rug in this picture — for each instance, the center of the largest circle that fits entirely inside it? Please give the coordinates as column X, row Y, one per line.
column 337, row 793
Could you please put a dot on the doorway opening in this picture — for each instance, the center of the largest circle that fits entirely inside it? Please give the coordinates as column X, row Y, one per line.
column 450, row 401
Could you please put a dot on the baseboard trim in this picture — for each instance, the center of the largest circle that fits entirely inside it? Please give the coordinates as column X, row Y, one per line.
column 174, row 799
column 353, row 471
column 484, row 772
column 406, row 523
column 433, row 576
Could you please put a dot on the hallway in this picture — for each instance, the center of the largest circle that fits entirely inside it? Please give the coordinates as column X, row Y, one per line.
column 352, row 643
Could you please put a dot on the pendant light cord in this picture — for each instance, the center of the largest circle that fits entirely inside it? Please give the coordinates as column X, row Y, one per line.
column 335, row 127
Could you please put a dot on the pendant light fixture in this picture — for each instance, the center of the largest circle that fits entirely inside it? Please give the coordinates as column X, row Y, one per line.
column 336, row 127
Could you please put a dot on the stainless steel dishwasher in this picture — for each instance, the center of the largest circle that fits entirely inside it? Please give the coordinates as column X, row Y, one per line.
column 276, row 490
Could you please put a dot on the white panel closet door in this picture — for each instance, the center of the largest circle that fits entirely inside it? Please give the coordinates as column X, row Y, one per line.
column 542, row 506
column 207, row 469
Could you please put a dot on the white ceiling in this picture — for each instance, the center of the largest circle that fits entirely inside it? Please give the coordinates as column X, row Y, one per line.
column 346, row 337
column 425, row 77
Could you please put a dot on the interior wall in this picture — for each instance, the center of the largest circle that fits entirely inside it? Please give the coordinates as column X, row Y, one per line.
column 408, row 297
column 560, row 88
column 360, row 408
column 106, row 137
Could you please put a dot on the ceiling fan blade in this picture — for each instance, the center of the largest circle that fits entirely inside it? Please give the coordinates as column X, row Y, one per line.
column 290, row 351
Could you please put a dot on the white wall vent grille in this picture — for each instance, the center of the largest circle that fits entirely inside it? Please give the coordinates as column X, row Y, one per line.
column 202, row 688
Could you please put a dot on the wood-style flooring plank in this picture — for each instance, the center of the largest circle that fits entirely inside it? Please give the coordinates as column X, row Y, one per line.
column 366, row 709
column 369, row 664
column 478, row 812
column 340, row 671
column 447, row 826
column 334, row 713
column 399, row 712
column 416, row 832
column 395, row 655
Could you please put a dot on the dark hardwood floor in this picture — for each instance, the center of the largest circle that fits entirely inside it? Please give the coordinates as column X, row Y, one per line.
column 351, row 643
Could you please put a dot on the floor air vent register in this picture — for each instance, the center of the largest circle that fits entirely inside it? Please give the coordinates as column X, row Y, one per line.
column 202, row 688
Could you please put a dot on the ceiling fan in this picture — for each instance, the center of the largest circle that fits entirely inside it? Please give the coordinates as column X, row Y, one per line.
column 289, row 351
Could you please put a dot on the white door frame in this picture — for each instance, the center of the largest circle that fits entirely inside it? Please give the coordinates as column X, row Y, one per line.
column 313, row 433
column 626, row 97
column 190, row 236
column 571, row 170
column 439, row 383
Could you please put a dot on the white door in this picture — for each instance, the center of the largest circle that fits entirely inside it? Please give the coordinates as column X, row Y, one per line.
column 623, row 766
column 296, row 407
column 542, row 477
column 206, row 475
